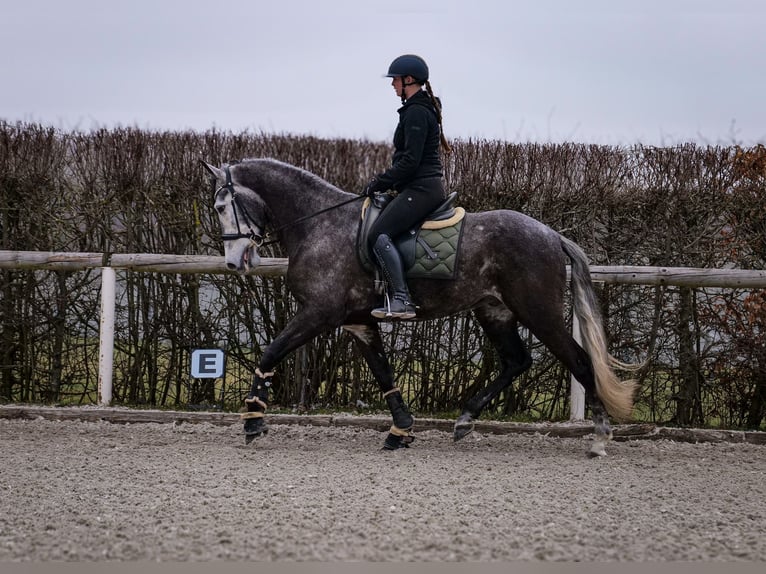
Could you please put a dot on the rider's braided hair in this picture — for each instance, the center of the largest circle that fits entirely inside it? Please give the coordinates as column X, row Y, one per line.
column 438, row 107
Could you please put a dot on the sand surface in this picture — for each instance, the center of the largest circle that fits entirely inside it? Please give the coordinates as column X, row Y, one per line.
column 96, row 491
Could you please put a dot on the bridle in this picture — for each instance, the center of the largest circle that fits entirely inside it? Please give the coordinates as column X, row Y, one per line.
column 256, row 238
column 236, row 205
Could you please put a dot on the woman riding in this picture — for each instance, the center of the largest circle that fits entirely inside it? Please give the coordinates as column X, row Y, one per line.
column 416, row 174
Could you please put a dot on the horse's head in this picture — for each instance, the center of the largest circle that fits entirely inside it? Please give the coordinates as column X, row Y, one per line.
column 242, row 215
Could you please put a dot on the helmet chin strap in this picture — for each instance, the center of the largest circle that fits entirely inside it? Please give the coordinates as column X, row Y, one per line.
column 405, row 85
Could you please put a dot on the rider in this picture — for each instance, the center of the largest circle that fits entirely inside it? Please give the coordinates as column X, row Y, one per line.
column 416, row 174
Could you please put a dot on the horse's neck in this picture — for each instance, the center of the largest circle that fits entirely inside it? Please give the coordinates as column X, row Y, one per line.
column 301, row 201
column 290, row 197
column 290, row 194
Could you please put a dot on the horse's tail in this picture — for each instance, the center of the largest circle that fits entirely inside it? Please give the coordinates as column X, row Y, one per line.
column 616, row 395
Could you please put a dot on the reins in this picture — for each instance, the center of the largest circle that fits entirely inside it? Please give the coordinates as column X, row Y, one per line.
column 306, row 217
column 258, row 239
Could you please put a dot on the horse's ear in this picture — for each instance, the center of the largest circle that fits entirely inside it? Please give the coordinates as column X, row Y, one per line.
column 214, row 171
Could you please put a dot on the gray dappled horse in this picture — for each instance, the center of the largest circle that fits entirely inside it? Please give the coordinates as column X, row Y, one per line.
column 512, row 270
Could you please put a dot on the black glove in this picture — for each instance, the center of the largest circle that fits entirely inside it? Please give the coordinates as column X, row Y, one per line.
column 372, row 186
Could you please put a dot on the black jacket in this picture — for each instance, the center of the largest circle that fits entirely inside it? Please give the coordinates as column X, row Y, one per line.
column 416, row 145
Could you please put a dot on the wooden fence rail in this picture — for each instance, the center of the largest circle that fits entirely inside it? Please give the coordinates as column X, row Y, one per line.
column 149, row 262
column 273, row 267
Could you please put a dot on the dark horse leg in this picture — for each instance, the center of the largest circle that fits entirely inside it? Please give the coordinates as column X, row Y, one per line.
column 306, row 325
column 501, row 329
column 566, row 349
column 549, row 327
column 371, row 347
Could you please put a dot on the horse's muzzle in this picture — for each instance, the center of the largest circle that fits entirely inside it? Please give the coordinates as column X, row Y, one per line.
column 243, row 262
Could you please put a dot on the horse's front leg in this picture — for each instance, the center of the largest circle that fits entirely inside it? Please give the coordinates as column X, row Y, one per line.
column 371, row 347
column 257, row 402
column 303, row 327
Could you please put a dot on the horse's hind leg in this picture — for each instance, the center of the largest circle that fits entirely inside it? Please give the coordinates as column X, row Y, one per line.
column 371, row 347
column 550, row 329
column 583, row 372
column 501, row 329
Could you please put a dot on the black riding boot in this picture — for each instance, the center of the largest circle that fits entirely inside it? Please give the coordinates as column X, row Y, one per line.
column 399, row 304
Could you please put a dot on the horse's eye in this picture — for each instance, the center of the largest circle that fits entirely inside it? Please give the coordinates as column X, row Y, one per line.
column 220, row 208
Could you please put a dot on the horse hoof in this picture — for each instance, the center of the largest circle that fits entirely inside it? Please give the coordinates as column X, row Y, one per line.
column 395, row 442
column 255, row 428
column 597, row 449
column 463, row 427
column 251, row 437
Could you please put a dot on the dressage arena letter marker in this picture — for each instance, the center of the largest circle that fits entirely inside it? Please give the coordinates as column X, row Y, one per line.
column 207, row 363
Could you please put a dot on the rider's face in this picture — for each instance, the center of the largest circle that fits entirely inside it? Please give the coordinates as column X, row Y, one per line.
column 398, row 83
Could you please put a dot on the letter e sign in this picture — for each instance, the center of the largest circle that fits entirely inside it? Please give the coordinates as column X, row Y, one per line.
column 207, row 363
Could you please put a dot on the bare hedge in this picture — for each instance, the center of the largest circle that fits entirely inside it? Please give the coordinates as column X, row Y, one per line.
column 131, row 191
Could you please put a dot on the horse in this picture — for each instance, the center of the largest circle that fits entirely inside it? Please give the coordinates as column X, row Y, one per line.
column 512, row 272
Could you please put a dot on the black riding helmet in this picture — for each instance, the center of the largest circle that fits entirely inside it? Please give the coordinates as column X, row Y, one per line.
column 409, row 65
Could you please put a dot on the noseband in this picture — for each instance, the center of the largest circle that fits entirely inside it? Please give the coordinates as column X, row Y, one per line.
column 236, row 205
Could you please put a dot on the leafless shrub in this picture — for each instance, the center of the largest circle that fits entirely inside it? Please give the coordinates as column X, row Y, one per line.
column 130, row 191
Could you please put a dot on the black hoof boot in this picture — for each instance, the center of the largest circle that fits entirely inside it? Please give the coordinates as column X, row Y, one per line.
column 255, row 428
column 256, row 403
column 395, row 441
column 399, row 412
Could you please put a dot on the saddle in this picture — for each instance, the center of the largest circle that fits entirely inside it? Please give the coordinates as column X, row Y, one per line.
column 428, row 251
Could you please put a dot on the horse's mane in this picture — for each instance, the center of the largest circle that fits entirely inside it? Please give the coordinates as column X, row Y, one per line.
column 290, row 171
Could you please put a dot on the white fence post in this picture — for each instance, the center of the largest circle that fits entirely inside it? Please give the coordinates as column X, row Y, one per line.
column 106, row 335
column 576, row 390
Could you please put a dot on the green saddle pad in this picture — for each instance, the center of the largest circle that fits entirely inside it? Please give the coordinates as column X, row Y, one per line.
column 435, row 253
column 429, row 251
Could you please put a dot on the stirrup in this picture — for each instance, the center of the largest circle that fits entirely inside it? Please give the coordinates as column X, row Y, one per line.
column 405, row 309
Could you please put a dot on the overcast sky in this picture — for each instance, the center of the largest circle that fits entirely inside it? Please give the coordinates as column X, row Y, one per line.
column 658, row 72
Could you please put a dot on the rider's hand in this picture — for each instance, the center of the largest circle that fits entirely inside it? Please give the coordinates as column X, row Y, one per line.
column 372, row 186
